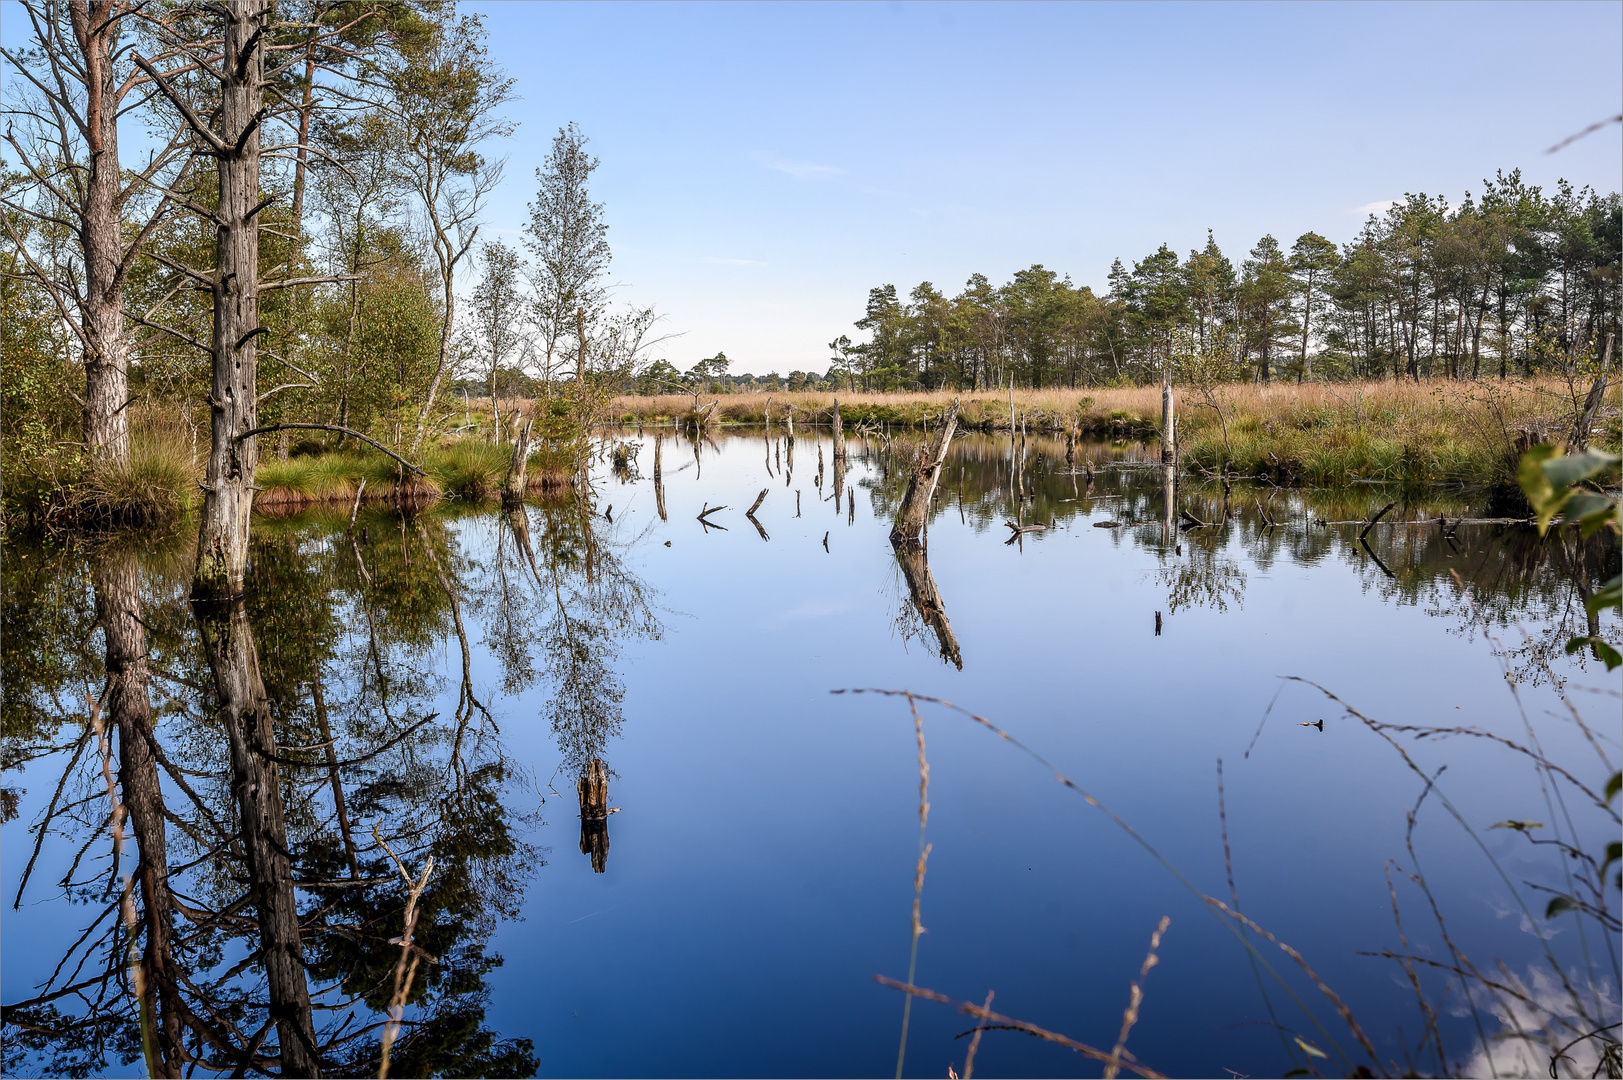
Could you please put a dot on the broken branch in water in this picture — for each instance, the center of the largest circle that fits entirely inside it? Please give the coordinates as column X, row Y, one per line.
column 1371, row 523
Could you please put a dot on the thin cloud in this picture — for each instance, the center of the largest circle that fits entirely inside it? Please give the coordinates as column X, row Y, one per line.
column 800, row 170
column 1380, row 206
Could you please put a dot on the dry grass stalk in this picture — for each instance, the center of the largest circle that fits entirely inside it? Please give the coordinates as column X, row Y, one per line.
column 987, row 1016
column 918, row 874
column 975, row 1042
column 405, row 969
column 1135, row 997
column 1066, row 781
column 1335, row 999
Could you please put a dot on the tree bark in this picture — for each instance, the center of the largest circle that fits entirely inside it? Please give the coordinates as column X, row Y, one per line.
column 1169, row 436
column 228, row 490
column 839, row 436
column 915, row 509
column 107, row 388
column 659, row 476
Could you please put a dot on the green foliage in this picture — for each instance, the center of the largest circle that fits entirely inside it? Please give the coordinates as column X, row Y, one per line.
column 1519, row 280
column 1550, row 478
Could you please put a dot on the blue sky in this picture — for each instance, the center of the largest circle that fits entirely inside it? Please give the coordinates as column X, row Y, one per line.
column 764, row 165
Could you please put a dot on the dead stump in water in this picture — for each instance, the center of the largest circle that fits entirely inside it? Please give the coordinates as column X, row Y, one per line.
column 593, row 787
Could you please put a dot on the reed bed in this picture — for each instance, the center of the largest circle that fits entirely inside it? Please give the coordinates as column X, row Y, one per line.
column 469, row 469
column 1312, row 433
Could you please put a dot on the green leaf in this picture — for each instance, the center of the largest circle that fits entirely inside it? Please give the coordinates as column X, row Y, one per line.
column 1545, row 498
column 1614, row 785
column 1519, row 826
column 1584, row 506
column 1614, row 853
column 1608, row 655
column 1312, row 1050
column 1558, row 905
column 1566, row 470
column 1609, row 595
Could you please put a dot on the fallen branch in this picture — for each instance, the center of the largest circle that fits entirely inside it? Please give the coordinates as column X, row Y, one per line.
column 1371, row 523
column 266, row 430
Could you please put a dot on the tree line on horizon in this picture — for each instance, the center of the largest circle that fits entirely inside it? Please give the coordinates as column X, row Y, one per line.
column 1515, row 282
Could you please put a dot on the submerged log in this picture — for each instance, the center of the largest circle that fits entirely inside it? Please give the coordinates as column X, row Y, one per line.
column 915, row 509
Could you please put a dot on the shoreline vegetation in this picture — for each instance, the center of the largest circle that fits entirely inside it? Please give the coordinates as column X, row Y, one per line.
column 1443, row 432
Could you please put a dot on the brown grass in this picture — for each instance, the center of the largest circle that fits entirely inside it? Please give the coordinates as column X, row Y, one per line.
column 1319, row 433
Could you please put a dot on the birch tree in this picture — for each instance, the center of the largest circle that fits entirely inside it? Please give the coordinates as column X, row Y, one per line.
column 448, row 96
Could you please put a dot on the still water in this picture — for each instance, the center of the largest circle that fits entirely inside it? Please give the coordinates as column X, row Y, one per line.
column 664, row 845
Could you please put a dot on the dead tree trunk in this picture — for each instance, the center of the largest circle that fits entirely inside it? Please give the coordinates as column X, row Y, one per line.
column 915, row 510
column 222, row 541
column 1169, row 439
column 839, row 437
column 244, row 714
column 1578, row 440
column 518, row 469
column 659, row 476
column 107, row 389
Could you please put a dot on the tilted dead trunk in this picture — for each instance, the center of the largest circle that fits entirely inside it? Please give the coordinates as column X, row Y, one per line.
column 839, row 434
column 1578, row 440
column 915, row 509
column 118, row 611
column 228, row 488
column 926, row 599
column 244, row 715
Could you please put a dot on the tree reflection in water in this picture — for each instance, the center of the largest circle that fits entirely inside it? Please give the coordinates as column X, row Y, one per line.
column 264, row 905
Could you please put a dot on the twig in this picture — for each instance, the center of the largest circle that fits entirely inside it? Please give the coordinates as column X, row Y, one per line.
column 969, row 1008
column 404, row 973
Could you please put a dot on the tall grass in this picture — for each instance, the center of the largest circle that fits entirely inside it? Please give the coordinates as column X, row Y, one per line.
column 470, row 469
column 1315, row 433
column 160, row 483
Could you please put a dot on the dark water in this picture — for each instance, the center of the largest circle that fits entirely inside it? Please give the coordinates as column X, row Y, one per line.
column 722, row 907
